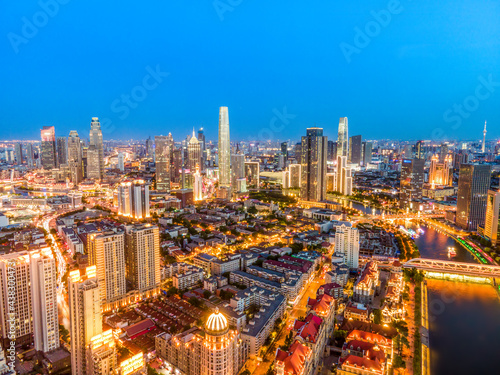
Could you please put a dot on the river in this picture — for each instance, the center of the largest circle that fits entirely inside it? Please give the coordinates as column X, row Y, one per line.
column 464, row 319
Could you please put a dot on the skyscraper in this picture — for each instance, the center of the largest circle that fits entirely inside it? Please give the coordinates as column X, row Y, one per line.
column 294, row 176
column 473, row 184
column 75, row 157
column 355, row 150
column 62, row 151
column 121, row 162
column 237, row 169
column 224, row 149
column 203, row 145
column 284, row 151
column 85, row 316
column 342, row 142
column 107, row 252
column 149, row 148
column 143, row 258
column 441, row 173
column 252, row 173
column 332, row 151
column 343, row 178
column 347, row 244
column 366, row 155
column 95, row 153
column 162, row 161
column 492, row 221
column 133, row 199
column 411, row 183
column 30, row 155
column 102, row 354
column 419, row 150
column 18, row 148
column 194, row 154
column 313, row 162
column 49, row 158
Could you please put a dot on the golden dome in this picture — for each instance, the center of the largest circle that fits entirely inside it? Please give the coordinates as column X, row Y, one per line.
column 216, row 323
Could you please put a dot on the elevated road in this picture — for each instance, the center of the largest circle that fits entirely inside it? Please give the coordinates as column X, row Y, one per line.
column 456, row 268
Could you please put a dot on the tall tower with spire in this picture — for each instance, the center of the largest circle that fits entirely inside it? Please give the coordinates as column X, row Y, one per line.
column 224, row 149
column 484, row 139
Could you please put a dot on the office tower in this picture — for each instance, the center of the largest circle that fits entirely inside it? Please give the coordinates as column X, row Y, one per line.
column 313, row 161
column 483, row 148
column 85, row 316
column 18, row 149
column 30, row 155
column 162, row 161
column 75, row 157
column 443, row 152
column 411, row 183
column 16, row 265
column 49, row 158
column 459, row 158
column 215, row 351
column 177, row 163
column 142, row 253
column 197, row 186
column 331, row 181
column 121, row 162
column 44, row 300
column 95, row 153
column 203, row 146
column 252, row 174
column 342, row 142
column 84, row 160
column 101, row 354
column 297, row 151
column 224, row 149
column 294, row 176
column 149, row 148
column 62, row 151
column 347, row 244
column 366, row 154
column 473, row 185
column 355, row 150
column 492, row 221
column 408, row 152
column 194, row 154
column 441, row 173
column 133, row 199
column 107, row 252
column 284, row 151
column 332, row 151
column 419, row 150
column 343, row 179
column 237, row 169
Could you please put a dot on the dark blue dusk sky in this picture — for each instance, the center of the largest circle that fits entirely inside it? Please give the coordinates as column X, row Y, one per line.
column 63, row 66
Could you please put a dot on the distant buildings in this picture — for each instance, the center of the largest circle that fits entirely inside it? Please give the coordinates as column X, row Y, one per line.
column 313, row 165
column 75, row 157
column 366, row 154
column 133, row 199
column 224, row 149
column 49, row 154
column 492, row 221
column 163, row 153
column 347, row 244
column 473, row 184
column 95, row 152
column 355, row 149
column 411, row 183
column 62, row 151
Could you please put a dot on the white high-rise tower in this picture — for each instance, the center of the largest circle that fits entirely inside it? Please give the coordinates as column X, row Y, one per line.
column 343, row 139
column 484, row 138
column 224, row 149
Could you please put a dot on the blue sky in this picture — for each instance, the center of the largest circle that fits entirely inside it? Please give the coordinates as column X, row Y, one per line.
column 397, row 69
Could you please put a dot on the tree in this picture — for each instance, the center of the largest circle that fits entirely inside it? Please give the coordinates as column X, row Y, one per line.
column 398, row 362
column 377, row 316
column 206, row 294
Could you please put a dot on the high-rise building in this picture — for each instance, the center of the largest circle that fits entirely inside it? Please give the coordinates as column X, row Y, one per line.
column 443, row 153
column 473, row 184
column 18, row 148
column 49, row 154
column 237, row 169
column 102, row 355
column 194, row 154
column 85, row 316
column 366, row 154
column 30, row 155
column 75, row 157
column 411, row 183
column 294, row 176
column 197, row 186
column 419, row 150
column 342, row 142
column 441, row 173
column 62, row 151
column 44, row 300
column 216, row 351
column 355, row 150
column 347, row 244
column 203, row 145
column 343, row 179
column 107, row 252
column 459, row 158
column 492, row 221
column 313, row 162
column 284, row 151
column 332, row 151
column 142, row 253
column 252, row 174
column 133, row 199
column 95, row 153
column 149, row 148
column 224, row 149
column 163, row 162
column 121, row 162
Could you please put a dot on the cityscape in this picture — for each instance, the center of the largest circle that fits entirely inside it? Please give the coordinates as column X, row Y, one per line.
column 225, row 247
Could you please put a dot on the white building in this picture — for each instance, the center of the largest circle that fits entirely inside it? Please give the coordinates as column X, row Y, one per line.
column 347, row 244
column 343, row 179
column 133, row 199
column 121, row 162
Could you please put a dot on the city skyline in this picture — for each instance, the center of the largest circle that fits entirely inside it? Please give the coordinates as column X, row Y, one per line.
column 395, row 76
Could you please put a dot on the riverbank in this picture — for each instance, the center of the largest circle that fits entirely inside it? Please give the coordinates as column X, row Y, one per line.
column 426, row 354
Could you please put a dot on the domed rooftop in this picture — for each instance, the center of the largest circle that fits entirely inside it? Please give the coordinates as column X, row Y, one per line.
column 216, row 323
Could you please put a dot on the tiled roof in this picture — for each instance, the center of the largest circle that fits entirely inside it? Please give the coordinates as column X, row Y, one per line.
column 294, row 360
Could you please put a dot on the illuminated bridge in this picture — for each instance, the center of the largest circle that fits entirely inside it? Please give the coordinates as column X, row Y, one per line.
column 436, row 266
